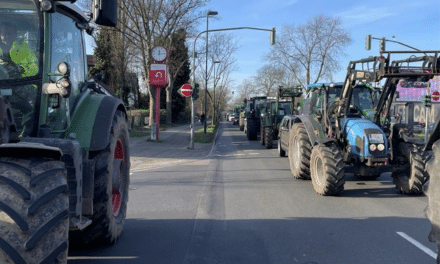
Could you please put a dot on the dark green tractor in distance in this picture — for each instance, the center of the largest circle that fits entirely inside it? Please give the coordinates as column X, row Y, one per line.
column 253, row 111
column 64, row 152
column 275, row 111
column 237, row 111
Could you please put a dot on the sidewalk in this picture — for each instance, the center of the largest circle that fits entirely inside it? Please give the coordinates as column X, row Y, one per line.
column 172, row 149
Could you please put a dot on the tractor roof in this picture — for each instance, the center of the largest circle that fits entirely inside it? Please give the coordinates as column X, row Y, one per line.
column 74, row 10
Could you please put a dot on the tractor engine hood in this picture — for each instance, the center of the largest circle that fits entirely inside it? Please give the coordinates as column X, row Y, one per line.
column 366, row 139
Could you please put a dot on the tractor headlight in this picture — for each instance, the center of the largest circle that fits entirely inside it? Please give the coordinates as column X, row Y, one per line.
column 63, row 68
column 373, row 147
column 380, row 147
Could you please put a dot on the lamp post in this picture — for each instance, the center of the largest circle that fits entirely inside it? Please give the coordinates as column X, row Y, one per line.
column 209, row 13
column 215, row 62
column 272, row 41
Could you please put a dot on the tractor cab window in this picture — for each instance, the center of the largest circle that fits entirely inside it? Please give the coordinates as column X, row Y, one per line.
column 362, row 100
column 318, row 102
column 20, row 39
column 67, row 46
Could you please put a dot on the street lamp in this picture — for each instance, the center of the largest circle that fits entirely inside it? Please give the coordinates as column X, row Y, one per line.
column 209, row 13
column 215, row 62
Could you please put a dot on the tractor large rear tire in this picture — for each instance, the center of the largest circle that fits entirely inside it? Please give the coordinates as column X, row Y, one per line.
column 268, row 137
column 300, row 150
column 432, row 211
column 327, row 169
column 411, row 181
column 252, row 129
column 112, row 172
column 34, row 211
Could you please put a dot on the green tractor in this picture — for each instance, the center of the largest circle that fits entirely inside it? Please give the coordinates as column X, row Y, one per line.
column 64, row 153
column 237, row 111
column 253, row 108
column 275, row 111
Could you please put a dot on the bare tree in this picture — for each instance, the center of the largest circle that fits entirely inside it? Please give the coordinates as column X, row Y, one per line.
column 268, row 78
column 245, row 90
column 221, row 48
column 152, row 22
column 310, row 52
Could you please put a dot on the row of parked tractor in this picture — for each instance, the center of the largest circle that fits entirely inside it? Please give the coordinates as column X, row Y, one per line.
column 365, row 125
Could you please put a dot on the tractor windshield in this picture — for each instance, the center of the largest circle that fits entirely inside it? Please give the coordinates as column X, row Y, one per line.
column 361, row 99
column 20, row 49
column 20, row 59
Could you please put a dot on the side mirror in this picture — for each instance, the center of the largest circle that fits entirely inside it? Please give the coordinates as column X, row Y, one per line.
column 105, row 12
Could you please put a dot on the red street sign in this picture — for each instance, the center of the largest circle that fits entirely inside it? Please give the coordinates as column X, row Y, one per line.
column 435, row 96
column 186, row 90
column 158, row 74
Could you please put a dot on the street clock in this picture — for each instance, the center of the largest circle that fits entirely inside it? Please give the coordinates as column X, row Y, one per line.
column 159, row 53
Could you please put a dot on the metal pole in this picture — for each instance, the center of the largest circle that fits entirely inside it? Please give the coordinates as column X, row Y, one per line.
column 214, row 94
column 206, row 73
column 191, row 140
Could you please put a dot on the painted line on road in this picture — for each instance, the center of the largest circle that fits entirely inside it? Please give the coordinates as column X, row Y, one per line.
column 418, row 244
column 254, row 153
column 229, row 155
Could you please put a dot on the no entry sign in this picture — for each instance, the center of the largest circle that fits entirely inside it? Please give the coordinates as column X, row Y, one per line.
column 186, row 90
column 435, row 96
column 158, row 74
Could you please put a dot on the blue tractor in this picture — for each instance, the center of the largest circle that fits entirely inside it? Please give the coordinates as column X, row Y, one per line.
column 335, row 134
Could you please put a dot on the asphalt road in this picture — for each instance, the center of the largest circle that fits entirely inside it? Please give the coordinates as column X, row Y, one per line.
column 241, row 205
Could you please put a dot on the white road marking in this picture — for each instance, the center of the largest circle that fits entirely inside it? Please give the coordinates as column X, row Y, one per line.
column 418, row 244
column 231, row 155
column 253, row 153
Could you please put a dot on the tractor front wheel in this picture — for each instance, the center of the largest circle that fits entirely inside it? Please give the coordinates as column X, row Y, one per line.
column 411, row 182
column 432, row 211
column 252, row 129
column 268, row 137
column 112, row 172
column 34, row 211
column 327, row 169
column 300, row 149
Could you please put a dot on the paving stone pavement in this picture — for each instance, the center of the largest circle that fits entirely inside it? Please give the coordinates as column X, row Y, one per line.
column 171, row 150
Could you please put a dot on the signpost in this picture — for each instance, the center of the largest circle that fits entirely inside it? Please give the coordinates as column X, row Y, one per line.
column 158, row 78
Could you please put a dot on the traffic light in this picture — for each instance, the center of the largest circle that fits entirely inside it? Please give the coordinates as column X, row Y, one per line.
column 382, row 44
column 368, row 42
column 272, row 36
column 195, row 93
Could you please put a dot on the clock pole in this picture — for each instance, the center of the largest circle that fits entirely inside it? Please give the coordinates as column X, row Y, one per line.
column 158, row 78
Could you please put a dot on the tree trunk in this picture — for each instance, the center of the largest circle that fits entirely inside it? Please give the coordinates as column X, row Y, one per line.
column 152, row 92
column 169, row 102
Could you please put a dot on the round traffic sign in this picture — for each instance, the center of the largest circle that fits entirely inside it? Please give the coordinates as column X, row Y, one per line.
column 186, row 90
column 435, row 96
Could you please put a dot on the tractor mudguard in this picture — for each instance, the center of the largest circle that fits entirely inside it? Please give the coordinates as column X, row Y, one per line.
column 103, row 123
column 314, row 129
column 92, row 120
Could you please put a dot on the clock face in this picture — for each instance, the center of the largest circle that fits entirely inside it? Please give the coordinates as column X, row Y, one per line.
column 159, row 53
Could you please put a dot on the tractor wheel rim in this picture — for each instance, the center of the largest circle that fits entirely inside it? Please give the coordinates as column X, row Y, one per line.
column 118, row 175
column 319, row 167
